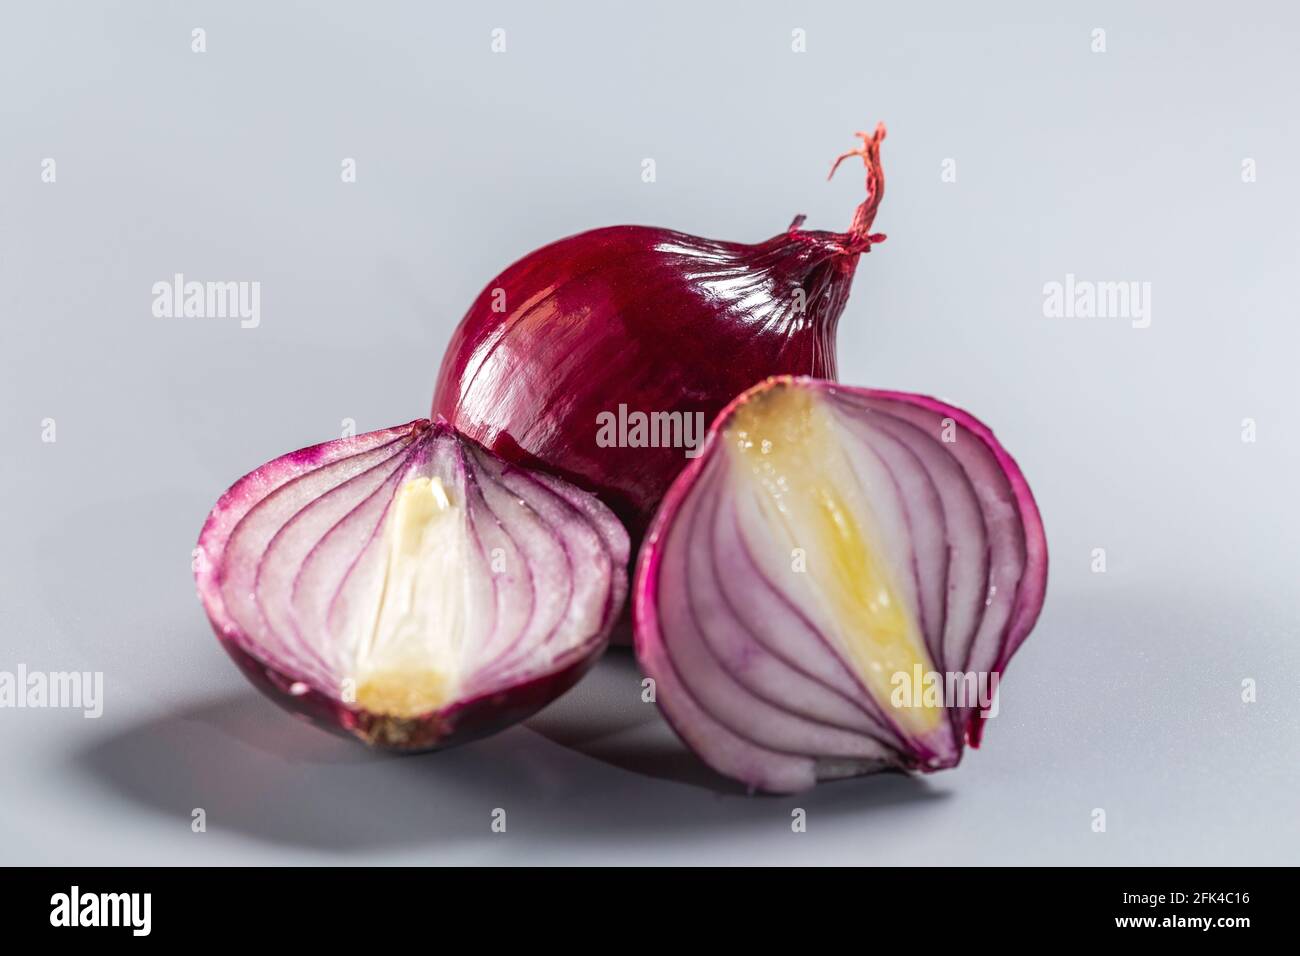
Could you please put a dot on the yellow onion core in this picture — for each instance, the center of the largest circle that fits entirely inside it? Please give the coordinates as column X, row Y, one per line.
column 787, row 446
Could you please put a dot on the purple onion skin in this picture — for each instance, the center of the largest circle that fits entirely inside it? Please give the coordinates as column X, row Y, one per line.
column 458, row 722
column 461, row 723
column 658, row 320
column 697, row 728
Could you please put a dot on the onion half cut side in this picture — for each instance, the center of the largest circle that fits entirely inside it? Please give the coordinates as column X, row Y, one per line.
column 408, row 587
column 831, row 554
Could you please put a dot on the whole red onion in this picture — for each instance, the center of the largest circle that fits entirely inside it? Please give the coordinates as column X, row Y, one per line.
column 561, row 354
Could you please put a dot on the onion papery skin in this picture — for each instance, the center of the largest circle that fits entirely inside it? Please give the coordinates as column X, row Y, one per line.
column 655, row 320
column 751, row 661
column 293, row 555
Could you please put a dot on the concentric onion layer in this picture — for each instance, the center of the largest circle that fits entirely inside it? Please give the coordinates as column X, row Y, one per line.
column 832, row 554
column 408, row 586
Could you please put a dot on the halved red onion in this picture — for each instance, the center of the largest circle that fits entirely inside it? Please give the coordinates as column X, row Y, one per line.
column 829, row 547
column 409, row 587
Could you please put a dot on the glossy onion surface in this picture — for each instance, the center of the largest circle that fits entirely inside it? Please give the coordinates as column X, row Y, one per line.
column 633, row 323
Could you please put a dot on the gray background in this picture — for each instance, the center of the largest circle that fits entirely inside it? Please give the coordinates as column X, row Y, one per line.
column 1124, row 165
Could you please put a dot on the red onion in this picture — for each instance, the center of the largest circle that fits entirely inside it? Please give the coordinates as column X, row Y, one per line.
column 630, row 321
column 408, row 586
column 832, row 547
